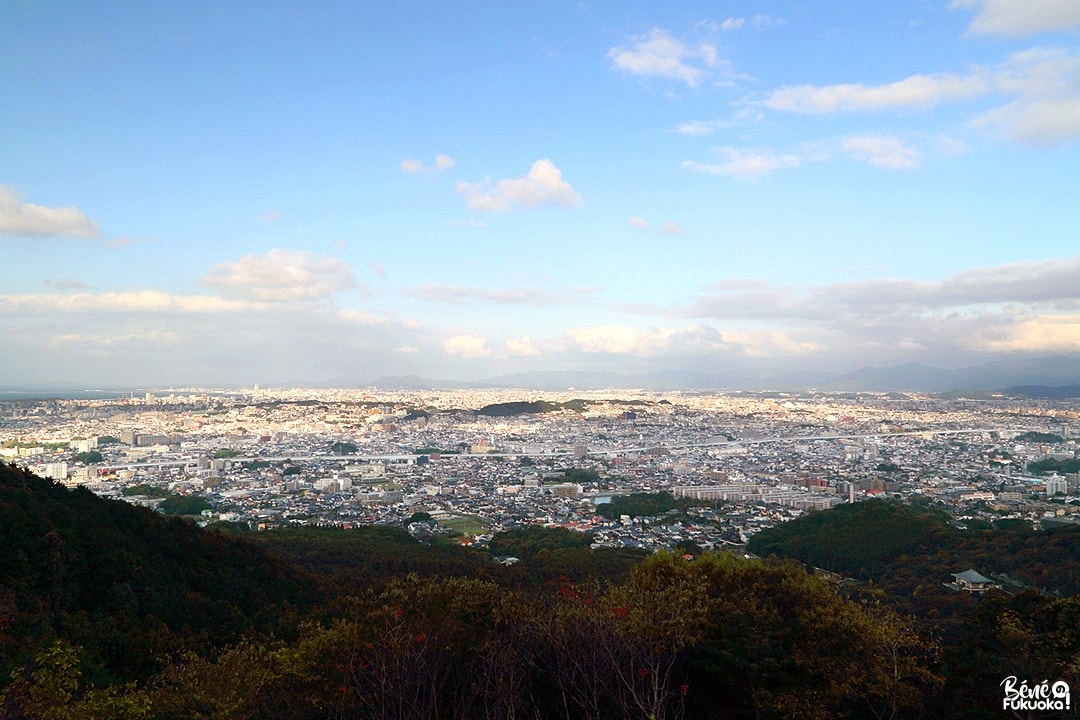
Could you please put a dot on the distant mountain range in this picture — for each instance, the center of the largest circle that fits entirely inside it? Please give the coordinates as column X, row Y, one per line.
column 1050, row 377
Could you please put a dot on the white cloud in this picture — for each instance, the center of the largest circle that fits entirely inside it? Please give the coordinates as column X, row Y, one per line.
column 281, row 276
column 732, row 23
column 109, row 344
column 916, row 91
column 1042, row 122
column 522, row 347
column 763, row 22
column 142, row 301
column 470, row 345
column 543, row 185
column 416, row 167
column 1041, row 85
column 121, row 242
column 377, row 268
column 650, row 342
column 745, row 165
column 1020, row 17
column 467, row 222
column 152, row 338
column 1023, row 307
column 698, row 128
column 23, row 218
column 668, row 228
column 1055, row 333
column 884, row 151
column 459, row 294
column 1046, row 86
column 660, row 54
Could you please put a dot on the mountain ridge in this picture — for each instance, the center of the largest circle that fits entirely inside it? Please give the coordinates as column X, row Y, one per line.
column 1011, row 375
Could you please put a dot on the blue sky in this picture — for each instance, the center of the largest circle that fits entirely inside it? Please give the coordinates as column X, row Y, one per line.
column 227, row 193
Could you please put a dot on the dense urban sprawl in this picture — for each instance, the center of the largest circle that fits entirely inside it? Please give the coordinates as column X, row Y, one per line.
column 459, row 463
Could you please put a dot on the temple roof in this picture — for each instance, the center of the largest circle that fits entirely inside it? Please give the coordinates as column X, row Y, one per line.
column 970, row 576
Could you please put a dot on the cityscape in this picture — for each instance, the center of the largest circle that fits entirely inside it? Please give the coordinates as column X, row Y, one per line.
column 555, row 360
column 479, row 462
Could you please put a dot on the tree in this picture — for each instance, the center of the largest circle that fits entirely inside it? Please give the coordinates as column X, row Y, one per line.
column 50, row 689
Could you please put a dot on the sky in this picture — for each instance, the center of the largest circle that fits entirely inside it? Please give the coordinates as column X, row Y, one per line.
column 229, row 193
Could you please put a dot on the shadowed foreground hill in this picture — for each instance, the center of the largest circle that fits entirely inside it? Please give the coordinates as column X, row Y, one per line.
column 112, row 611
column 124, row 582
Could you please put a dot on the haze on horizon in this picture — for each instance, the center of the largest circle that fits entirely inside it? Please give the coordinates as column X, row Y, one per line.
column 220, row 193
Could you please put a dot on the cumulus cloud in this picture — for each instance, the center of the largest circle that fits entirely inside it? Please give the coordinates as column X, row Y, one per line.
column 639, row 222
column 469, row 345
column 543, row 185
column 23, row 218
column 661, row 54
column 281, row 276
column 885, row 151
column 745, row 165
column 416, row 167
column 1020, row 17
column 522, row 347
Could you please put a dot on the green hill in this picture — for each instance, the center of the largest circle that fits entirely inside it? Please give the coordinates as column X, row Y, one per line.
column 905, row 548
column 113, row 611
column 124, row 582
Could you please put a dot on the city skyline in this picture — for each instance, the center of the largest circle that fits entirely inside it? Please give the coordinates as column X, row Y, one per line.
column 226, row 194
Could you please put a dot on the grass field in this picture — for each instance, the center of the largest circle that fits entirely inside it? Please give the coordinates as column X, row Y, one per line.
column 465, row 524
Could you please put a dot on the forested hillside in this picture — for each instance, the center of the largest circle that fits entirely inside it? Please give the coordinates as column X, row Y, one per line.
column 113, row 611
column 904, row 548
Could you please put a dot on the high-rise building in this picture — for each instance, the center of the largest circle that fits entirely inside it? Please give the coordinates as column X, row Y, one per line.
column 56, row 471
column 1056, row 485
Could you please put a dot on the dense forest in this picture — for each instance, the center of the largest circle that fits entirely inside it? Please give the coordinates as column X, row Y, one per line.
column 113, row 611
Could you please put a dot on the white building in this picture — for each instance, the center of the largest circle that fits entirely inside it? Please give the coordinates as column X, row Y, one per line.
column 1056, row 485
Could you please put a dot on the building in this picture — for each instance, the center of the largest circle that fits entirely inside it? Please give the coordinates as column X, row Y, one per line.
column 1056, row 485
column 56, row 471
column 971, row 581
